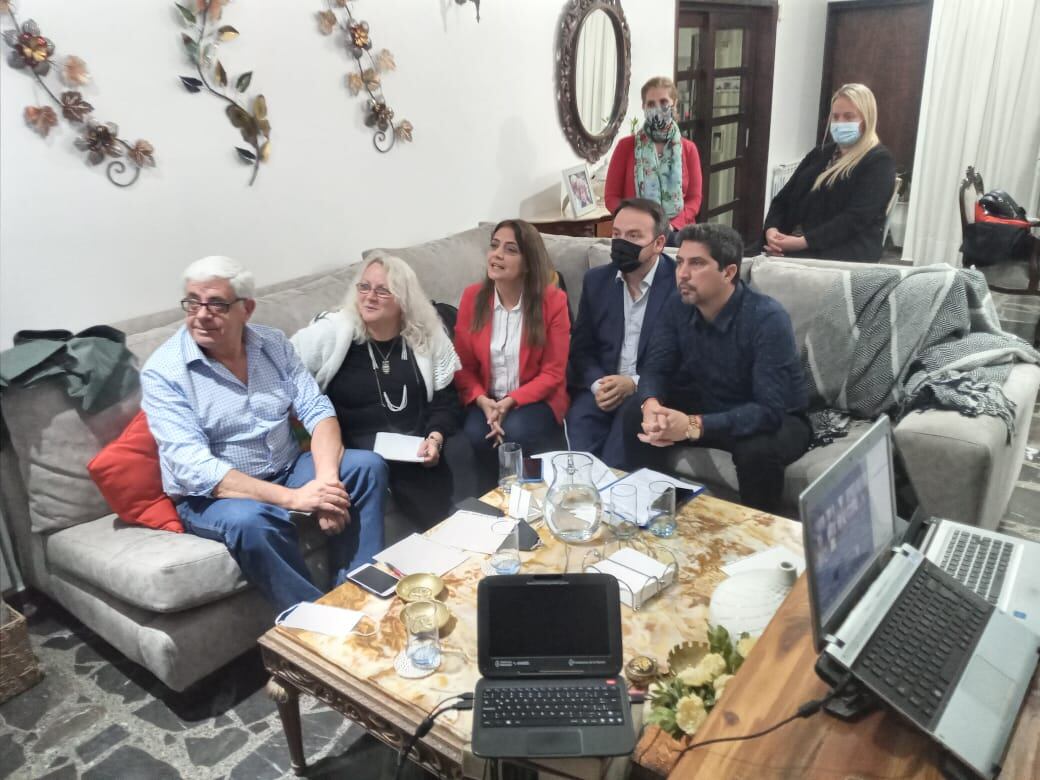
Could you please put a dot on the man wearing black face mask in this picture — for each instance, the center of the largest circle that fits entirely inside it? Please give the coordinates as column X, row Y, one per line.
column 619, row 307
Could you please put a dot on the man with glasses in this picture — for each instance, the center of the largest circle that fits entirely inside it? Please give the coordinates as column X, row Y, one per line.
column 218, row 396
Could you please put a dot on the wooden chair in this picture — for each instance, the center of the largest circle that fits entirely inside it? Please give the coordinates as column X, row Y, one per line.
column 1016, row 277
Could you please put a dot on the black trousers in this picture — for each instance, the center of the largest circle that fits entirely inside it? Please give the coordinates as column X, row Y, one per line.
column 760, row 458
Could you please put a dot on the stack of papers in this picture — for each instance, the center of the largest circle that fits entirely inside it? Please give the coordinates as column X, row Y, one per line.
column 472, row 531
column 417, row 554
column 642, row 479
column 397, row 446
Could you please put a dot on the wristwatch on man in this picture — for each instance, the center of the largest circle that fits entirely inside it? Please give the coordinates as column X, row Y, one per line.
column 694, row 427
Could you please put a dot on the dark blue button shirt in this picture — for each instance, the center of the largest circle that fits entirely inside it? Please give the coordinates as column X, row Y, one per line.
column 741, row 372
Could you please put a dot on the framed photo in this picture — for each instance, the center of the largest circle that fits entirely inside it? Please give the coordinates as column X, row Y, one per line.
column 578, row 185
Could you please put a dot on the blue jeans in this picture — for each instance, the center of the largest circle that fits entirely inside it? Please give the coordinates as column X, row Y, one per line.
column 533, row 427
column 263, row 539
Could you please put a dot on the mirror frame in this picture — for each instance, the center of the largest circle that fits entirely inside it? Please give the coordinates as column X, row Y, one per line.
column 588, row 146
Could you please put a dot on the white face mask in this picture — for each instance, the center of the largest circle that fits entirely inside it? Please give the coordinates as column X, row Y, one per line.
column 845, row 133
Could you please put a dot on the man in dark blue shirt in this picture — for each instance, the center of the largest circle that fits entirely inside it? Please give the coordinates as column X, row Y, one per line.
column 723, row 372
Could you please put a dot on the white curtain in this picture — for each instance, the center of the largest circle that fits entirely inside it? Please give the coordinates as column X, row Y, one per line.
column 981, row 107
column 596, row 76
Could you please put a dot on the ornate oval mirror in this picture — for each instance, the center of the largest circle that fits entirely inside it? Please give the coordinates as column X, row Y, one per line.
column 593, row 67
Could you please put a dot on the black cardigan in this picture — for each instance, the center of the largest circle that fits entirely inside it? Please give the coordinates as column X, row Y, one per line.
column 844, row 221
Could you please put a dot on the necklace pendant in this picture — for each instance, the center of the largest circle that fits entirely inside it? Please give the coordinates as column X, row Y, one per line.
column 386, row 365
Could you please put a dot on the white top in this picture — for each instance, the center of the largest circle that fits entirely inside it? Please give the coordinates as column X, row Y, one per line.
column 506, row 326
column 635, row 311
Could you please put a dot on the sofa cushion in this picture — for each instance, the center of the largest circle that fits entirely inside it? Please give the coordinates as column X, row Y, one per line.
column 155, row 570
column 54, row 439
column 570, row 256
column 798, row 288
column 127, row 473
column 446, row 266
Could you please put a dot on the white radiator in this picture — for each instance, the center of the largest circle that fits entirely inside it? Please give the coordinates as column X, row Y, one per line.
column 781, row 173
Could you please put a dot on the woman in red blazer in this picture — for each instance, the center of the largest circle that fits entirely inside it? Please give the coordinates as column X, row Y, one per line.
column 657, row 162
column 513, row 337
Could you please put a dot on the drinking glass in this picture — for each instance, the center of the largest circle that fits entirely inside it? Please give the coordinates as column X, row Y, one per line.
column 506, row 559
column 622, row 515
column 424, row 642
column 510, row 461
column 661, row 509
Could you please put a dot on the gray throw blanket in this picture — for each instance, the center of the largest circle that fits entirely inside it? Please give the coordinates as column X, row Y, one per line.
column 893, row 340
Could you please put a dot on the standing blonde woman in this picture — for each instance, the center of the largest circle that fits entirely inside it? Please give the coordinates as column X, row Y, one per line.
column 833, row 206
column 387, row 363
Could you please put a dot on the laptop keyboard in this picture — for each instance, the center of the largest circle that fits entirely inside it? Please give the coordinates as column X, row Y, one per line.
column 562, row 705
column 978, row 562
column 920, row 649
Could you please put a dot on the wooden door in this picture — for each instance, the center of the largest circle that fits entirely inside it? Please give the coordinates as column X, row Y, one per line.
column 724, row 75
column 883, row 44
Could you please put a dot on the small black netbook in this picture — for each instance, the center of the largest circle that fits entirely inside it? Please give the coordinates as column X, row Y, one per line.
column 549, row 650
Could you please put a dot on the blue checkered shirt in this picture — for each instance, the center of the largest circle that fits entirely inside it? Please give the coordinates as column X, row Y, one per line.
column 206, row 422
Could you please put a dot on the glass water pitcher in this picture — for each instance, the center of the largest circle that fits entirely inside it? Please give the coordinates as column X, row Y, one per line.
column 572, row 505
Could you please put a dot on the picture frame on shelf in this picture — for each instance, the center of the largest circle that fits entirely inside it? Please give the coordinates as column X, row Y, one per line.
column 577, row 184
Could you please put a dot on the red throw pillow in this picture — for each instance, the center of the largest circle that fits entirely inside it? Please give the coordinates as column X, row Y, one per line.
column 126, row 472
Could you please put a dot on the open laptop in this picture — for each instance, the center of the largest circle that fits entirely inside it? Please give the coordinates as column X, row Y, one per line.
column 549, row 650
column 940, row 655
column 1003, row 569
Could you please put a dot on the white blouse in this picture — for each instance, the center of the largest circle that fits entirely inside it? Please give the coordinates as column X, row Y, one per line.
column 506, row 326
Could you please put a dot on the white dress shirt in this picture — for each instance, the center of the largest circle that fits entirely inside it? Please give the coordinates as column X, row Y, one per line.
column 635, row 311
column 506, row 326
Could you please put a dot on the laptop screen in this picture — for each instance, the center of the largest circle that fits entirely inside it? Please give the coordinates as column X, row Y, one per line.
column 848, row 523
column 536, row 624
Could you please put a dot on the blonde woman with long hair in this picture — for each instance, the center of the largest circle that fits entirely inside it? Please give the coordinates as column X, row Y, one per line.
column 387, row 363
column 833, row 206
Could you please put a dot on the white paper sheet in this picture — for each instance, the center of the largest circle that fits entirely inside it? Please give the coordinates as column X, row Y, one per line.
column 334, row 621
column 397, row 446
column 471, row 531
column 601, row 473
column 417, row 554
column 765, row 559
column 642, row 478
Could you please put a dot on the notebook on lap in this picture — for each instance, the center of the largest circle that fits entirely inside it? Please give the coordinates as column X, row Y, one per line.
column 549, row 651
column 939, row 654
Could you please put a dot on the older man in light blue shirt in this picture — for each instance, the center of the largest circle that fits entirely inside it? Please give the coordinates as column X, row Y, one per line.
column 218, row 395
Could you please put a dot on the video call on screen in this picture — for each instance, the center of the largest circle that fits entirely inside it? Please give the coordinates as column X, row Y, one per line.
column 548, row 620
column 849, row 526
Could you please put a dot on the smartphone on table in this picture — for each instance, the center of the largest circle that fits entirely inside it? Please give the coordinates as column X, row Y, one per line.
column 374, row 580
column 532, row 470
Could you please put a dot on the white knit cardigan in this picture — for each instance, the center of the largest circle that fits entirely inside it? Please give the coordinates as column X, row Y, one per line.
column 323, row 345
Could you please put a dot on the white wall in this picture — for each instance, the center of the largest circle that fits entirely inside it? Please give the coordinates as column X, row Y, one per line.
column 75, row 250
column 797, row 76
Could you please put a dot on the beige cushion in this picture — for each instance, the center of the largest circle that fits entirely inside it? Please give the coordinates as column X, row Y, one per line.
column 446, row 266
column 570, row 257
column 156, row 570
column 799, row 289
column 54, row 440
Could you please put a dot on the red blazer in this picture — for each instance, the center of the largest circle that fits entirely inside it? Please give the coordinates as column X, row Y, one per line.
column 621, row 179
column 543, row 369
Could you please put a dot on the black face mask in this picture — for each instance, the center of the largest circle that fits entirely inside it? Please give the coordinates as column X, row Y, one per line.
column 625, row 255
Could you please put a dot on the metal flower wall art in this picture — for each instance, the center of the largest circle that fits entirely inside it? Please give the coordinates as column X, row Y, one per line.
column 201, row 46
column 34, row 54
column 378, row 115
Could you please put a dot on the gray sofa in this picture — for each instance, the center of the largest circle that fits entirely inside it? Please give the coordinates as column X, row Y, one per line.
column 177, row 604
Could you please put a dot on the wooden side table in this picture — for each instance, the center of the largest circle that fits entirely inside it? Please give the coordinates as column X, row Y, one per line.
column 595, row 224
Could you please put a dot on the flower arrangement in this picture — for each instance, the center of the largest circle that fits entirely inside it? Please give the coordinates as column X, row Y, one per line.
column 680, row 703
column 33, row 53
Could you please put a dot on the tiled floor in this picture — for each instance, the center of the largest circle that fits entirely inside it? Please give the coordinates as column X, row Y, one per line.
column 95, row 715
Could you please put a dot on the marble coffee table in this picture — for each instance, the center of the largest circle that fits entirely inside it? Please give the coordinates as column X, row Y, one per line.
column 355, row 675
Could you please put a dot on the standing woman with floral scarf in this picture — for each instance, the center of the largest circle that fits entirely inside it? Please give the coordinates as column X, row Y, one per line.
column 657, row 162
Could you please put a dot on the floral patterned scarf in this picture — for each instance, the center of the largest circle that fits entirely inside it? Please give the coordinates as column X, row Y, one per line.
column 660, row 178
